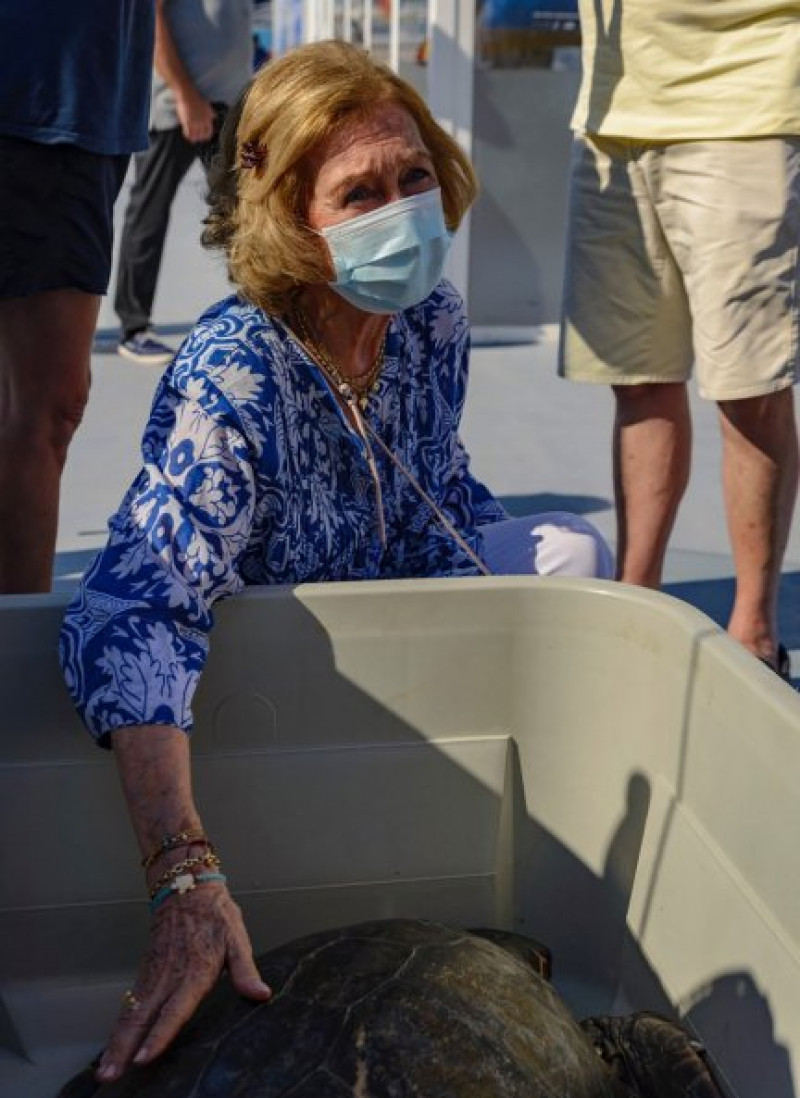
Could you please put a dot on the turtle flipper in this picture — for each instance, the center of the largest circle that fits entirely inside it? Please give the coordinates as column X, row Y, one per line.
column 653, row 1056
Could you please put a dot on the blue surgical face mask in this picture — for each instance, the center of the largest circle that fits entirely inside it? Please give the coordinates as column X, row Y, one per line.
column 393, row 257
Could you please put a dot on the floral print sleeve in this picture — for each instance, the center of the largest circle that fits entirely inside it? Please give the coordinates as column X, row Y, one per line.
column 135, row 637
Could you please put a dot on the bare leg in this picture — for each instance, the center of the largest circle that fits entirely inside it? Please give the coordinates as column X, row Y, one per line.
column 760, row 477
column 45, row 360
column 652, row 457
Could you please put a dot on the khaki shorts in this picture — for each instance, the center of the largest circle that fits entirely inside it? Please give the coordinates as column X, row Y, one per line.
column 684, row 253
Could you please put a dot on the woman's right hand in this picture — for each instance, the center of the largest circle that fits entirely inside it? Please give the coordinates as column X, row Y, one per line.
column 193, row 936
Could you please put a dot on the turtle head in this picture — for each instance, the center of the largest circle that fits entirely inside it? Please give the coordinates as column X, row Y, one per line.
column 653, row 1056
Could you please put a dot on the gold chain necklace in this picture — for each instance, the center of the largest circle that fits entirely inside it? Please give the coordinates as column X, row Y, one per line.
column 362, row 386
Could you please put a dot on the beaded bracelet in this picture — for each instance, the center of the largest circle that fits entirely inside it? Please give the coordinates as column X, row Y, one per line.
column 207, row 859
column 186, row 882
column 171, row 842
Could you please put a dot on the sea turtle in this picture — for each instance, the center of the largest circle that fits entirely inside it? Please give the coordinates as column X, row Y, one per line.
column 399, row 1008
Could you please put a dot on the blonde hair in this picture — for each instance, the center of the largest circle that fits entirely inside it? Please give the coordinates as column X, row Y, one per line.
column 257, row 213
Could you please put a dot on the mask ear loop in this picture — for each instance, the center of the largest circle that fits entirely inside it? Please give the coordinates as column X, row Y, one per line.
column 366, row 432
column 373, row 468
column 438, row 513
column 352, row 403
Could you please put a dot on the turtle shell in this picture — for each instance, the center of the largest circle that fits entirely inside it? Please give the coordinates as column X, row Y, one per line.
column 388, row 1009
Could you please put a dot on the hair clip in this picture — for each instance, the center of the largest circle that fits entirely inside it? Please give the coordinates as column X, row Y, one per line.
column 252, row 155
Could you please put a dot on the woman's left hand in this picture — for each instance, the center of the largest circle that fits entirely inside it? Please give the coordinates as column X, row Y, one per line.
column 193, row 936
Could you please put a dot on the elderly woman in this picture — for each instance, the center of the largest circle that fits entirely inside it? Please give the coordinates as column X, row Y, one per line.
column 307, row 430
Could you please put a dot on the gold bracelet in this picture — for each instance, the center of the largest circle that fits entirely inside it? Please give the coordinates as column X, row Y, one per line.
column 177, row 870
column 170, row 842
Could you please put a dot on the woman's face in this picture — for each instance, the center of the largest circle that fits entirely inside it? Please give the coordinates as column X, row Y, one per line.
column 366, row 164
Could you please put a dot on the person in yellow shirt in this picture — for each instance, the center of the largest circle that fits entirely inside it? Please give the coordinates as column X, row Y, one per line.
column 684, row 230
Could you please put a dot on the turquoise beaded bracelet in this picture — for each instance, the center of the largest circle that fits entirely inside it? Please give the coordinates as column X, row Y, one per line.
column 186, row 882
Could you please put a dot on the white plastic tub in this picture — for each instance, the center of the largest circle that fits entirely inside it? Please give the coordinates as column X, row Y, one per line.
column 594, row 764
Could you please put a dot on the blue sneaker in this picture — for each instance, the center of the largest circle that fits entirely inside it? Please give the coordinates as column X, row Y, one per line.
column 144, row 348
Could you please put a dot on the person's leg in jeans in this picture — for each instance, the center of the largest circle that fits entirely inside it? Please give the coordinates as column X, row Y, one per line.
column 157, row 175
column 556, row 543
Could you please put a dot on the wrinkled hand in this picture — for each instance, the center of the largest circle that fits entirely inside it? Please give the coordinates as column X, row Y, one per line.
column 196, row 116
column 192, row 937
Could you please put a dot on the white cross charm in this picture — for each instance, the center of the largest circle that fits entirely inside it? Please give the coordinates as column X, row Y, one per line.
column 184, row 883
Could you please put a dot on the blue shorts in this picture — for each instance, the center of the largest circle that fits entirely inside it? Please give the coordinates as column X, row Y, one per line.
column 56, row 217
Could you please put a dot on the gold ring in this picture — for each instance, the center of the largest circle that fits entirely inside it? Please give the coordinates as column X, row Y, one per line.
column 130, row 1001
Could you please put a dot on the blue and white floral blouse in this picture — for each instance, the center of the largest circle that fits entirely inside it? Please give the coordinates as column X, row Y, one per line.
column 253, row 475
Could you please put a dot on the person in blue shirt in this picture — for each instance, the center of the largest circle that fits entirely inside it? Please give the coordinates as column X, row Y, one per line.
column 74, row 91
column 308, row 430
